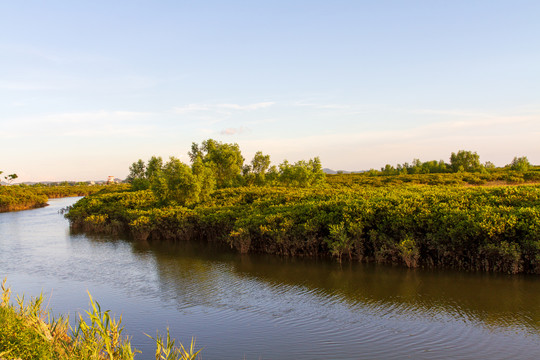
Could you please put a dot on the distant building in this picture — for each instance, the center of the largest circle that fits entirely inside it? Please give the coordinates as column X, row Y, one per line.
column 111, row 180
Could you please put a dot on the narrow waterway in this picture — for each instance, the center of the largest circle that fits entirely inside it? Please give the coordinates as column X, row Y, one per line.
column 265, row 307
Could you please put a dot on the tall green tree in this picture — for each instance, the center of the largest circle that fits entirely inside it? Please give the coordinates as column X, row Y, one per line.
column 9, row 178
column 259, row 166
column 388, row 170
column 465, row 161
column 136, row 171
column 488, row 165
column 317, row 170
column 154, row 167
column 302, row 173
column 205, row 177
column 176, row 184
column 225, row 160
column 137, row 176
column 521, row 164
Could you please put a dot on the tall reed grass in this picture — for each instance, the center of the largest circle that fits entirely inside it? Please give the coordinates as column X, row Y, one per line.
column 28, row 331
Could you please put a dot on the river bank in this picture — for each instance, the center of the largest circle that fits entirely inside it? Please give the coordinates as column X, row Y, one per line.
column 470, row 228
column 22, row 197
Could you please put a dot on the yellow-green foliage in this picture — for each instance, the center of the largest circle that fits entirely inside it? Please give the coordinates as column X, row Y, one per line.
column 14, row 198
column 22, row 197
column 496, row 176
column 165, row 349
column 96, row 220
column 27, row 331
column 339, row 241
column 409, row 251
column 469, row 227
column 101, row 337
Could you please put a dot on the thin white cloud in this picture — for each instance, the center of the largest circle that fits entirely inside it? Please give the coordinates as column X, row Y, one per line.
column 263, row 121
column 485, row 122
column 519, row 114
column 80, row 124
column 192, row 108
column 496, row 137
column 95, row 116
column 55, row 57
column 31, row 52
column 451, row 112
column 322, row 105
column 26, row 86
column 109, row 131
column 232, row 131
column 206, row 131
column 248, row 107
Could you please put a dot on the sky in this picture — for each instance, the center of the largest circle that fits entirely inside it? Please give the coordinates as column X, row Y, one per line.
column 89, row 87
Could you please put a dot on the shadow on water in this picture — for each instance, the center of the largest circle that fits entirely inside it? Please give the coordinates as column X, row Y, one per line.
column 195, row 271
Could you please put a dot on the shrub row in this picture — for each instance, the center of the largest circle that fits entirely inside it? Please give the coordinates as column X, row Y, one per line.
column 21, row 197
column 473, row 228
column 497, row 177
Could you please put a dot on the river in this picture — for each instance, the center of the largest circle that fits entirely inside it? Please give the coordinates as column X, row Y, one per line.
column 267, row 307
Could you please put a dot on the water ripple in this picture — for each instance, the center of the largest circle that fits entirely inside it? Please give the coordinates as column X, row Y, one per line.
column 267, row 307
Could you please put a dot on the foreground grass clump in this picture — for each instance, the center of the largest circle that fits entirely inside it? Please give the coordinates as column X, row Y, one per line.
column 28, row 331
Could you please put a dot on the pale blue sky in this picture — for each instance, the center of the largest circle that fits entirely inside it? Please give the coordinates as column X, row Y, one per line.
column 86, row 88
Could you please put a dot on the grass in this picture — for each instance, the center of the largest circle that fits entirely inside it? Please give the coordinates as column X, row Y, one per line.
column 28, row 331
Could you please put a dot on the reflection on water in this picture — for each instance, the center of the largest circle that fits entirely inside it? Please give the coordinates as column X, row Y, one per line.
column 266, row 307
column 496, row 300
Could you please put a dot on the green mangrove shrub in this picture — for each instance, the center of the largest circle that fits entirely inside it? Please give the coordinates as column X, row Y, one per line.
column 473, row 228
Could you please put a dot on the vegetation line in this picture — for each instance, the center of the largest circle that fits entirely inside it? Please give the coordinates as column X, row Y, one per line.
column 23, row 197
column 414, row 217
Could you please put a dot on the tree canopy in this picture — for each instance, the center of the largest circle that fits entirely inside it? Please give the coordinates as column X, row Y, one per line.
column 9, row 178
column 462, row 161
column 465, row 161
column 225, row 160
column 216, row 165
column 521, row 164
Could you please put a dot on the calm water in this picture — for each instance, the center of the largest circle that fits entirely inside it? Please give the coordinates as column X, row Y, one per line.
column 263, row 307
